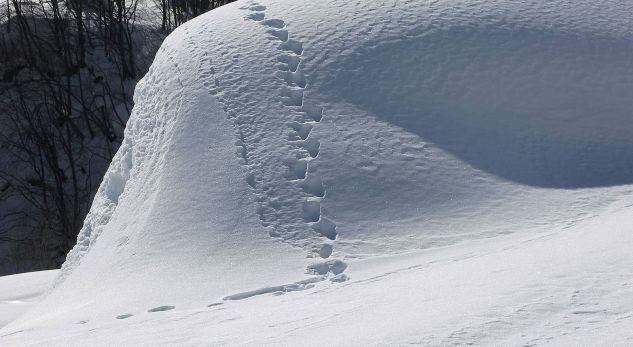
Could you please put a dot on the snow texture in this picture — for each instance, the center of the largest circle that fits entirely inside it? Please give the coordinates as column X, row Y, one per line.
column 366, row 173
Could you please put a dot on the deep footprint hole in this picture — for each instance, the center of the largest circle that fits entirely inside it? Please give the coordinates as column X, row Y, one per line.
column 297, row 168
column 313, row 185
column 311, row 211
column 326, row 228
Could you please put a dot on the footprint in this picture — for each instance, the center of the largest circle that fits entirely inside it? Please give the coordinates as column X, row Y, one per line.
column 335, row 267
column 298, row 168
column 296, row 78
column 303, row 130
column 326, row 250
column 280, row 34
column 250, row 179
column 290, row 61
column 257, row 8
column 124, row 316
column 326, row 228
column 293, row 46
column 313, row 112
column 257, row 16
column 274, row 23
column 312, row 146
column 292, row 97
column 311, row 211
column 313, row 185
column 161, row 308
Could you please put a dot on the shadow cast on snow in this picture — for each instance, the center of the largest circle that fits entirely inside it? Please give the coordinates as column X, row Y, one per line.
column 537, row 107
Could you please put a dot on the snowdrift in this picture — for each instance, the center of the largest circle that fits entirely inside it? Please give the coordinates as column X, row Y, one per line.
column 326, row 148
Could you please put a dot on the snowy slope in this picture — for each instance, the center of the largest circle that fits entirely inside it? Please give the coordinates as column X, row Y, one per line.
column 428, row 172
column 573, row 288
column 18, row 293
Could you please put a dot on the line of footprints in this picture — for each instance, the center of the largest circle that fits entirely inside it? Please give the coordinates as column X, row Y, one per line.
column 311, row 183
column 308, row 117
column 152, row 310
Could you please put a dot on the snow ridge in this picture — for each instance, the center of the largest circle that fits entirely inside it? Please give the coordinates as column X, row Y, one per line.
column 146, row 136
column 289, row 194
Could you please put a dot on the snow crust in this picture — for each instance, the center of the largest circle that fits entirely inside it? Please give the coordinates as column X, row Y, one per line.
column 441, row 172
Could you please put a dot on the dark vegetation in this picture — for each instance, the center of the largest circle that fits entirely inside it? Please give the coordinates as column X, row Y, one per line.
column 67, row 74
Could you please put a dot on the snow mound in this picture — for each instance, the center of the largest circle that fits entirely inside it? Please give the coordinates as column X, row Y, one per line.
column 277, row 145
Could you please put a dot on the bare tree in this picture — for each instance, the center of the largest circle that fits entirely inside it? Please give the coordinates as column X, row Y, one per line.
column 67, row 72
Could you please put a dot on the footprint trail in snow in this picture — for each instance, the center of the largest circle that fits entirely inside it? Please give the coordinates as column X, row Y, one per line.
column 308, row 116
column 288, row 190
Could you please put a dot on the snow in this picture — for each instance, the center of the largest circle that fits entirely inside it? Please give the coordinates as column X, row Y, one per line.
column 370, row 173
column 18, row 293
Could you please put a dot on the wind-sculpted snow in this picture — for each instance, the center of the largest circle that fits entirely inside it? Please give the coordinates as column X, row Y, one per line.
column 146, row 139
column 285, row 147
column 535, row 106
column 448, row 125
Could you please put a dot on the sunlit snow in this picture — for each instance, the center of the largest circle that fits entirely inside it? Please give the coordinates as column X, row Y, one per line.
column 366, row 173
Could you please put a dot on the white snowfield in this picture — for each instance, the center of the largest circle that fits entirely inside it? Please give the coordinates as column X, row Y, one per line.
column 404, row 172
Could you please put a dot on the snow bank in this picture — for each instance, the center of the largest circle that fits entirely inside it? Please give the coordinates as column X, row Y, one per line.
column 304, row 147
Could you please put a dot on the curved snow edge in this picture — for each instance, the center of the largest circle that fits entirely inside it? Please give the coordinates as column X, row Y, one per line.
column 113, row 186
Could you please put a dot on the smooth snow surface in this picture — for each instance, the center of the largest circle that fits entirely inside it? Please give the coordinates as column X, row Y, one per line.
column 18, row 293
column 431, row 172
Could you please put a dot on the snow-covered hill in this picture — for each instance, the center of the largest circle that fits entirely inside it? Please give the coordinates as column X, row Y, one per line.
column 433, row 172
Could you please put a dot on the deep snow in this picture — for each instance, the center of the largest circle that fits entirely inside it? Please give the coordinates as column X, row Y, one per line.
column 432, row 172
